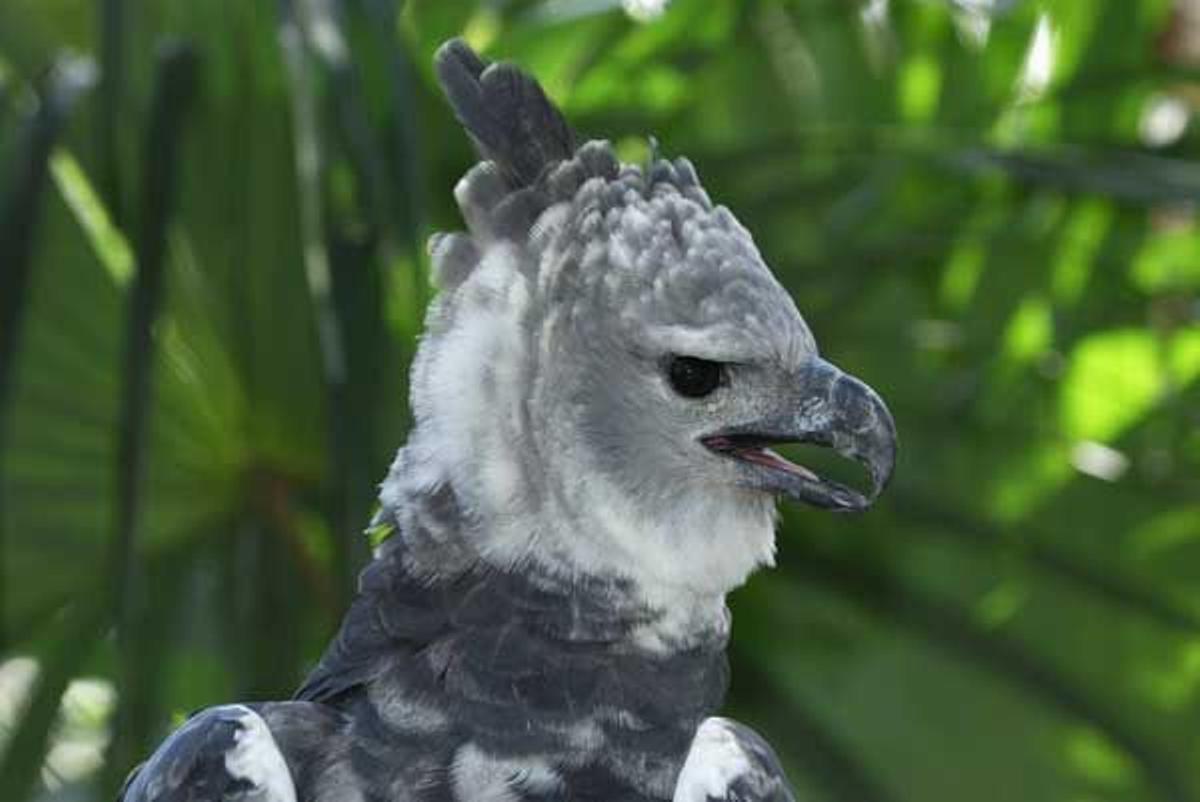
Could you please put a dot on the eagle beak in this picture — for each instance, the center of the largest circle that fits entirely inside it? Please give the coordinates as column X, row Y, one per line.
column 827, row 408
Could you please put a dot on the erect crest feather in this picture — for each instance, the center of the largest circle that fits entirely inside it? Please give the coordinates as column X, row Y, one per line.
column 505, row 111
column 529, row 162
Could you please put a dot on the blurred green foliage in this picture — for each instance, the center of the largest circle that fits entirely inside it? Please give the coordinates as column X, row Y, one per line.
column 986, row 209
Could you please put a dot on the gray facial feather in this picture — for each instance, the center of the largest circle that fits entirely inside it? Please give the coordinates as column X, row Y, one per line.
column 581, row 284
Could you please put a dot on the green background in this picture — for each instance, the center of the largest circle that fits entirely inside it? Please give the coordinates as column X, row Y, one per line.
column 211, row 295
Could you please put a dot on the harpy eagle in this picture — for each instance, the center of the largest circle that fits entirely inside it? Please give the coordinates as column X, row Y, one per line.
column 603, row 371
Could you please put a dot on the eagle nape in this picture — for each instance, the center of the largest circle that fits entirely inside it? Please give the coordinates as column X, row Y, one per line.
column 825, row 407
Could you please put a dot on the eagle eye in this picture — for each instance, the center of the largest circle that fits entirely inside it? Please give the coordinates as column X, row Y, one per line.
column 692, row 377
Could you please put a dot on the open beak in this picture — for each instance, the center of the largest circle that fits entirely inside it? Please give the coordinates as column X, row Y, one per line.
column 827, row 408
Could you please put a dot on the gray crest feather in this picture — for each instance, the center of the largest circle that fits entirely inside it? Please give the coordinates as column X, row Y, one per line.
column 480, row 190
column 453, row 257
column 531, row 162
column 505, row 111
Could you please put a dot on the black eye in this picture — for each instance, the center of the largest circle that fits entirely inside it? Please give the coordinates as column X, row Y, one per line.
column 692, row 377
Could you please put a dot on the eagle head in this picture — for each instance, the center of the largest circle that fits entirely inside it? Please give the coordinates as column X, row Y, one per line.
column 609, row 360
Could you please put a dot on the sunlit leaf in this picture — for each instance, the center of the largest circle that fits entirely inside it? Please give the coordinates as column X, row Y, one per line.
column 110, row 244
column 1112, row 380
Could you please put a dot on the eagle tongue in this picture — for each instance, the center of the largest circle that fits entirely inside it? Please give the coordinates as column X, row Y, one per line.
column 769, row 459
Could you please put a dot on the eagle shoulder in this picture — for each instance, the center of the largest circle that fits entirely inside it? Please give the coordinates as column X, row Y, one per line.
column 729, row 762
column 221, row 753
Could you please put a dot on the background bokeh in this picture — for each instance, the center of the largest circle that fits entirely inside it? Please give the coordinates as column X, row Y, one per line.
column 212, row 276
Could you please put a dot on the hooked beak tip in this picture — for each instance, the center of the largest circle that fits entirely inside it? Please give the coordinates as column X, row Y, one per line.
column 864, row 430
column 836, row 411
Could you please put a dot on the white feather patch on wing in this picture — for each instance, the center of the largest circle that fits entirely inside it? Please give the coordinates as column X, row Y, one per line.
column 256, row 758
column 715, row 760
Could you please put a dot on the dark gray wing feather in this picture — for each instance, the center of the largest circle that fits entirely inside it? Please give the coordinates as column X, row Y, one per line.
column 505, row 111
